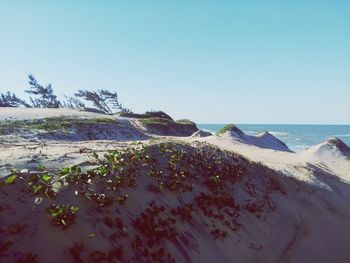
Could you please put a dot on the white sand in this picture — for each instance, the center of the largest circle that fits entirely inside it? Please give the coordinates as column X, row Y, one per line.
column 310, row 224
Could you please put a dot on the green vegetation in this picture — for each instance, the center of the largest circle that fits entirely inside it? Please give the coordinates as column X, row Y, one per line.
column 44, row 97
column 41, row 185
column 163, row 126
column 103, row 100
column 166, row 122
column 41, row 167
column 185, row 121
column 156, row 121
column 204, row 175
column 9, row 99
column 62, row 215
column 11, row 179
column 227, row 128
column 50, row 124
column 147, row 114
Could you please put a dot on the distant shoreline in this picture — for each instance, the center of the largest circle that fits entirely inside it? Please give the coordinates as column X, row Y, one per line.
column 298, row 137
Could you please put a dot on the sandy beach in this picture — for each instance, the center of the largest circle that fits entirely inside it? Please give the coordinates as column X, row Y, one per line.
column 227, row 197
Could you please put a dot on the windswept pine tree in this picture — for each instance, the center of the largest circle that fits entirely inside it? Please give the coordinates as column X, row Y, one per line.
column 112, row 99
column 9, row 99
column 104, row 100
column 73, row 102
column 45, row 98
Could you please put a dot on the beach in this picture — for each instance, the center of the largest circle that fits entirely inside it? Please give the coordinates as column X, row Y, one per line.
column 298, row 137
column 153, row 189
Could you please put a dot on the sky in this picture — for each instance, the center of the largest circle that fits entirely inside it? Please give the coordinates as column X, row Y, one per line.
column 247, row 61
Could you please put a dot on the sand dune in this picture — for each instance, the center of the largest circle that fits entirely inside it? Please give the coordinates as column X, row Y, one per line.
column 262, row 140
column 203, row 198
column 40, row 113
column 331, row 147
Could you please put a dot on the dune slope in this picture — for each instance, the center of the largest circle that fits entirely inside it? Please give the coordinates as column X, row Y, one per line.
column 203, row 198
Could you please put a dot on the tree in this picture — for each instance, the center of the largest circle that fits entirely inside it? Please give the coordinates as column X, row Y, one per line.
column 46, row 97
column 73, row 102
column 11, row 100
column 104, row 100
column 112, row 99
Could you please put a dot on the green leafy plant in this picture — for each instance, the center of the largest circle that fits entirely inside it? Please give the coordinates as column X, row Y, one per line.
column 11, row 179
column 62, row 215
column 41, row 185
column 46, row 177
column 70, row 174
column 41, row 167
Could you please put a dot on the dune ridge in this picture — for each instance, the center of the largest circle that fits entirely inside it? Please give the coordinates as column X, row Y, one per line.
column 261, row 140
column 133, row 194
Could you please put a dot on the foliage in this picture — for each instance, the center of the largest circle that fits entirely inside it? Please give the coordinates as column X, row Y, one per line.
column 185, row 121
column 11, row 179
column 225, row 129
column 104, row 100
column 112, row 99
column 163, row 126
column 147, row 114
column 70, row 174
column 166, row 122
column 159, row 114
column 203, row 181
column 73, row 102
column 156, row 121
column 11, row 100
column 41, row 185
column 51, row 124
column 45, row 96
column 62, row 215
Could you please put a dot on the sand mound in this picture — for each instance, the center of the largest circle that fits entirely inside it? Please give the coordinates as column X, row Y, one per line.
column 78, row 125
column 231, row 130
column 166, row 127
column 332, row 147
column 148, row 114
column 262, row 140
column 40, row 113
column 231, row 197
column 267, row 140
column 148, row 202
column 70, row 129
column 201, row 133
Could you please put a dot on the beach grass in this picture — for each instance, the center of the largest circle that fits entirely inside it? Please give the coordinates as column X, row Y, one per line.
column 225, row 129
column 185, row 121
column 50, row 124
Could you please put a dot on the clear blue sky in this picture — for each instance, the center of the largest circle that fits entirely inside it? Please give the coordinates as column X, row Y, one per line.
column 263, row 61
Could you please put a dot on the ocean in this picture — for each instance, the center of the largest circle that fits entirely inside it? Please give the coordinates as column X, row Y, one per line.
column 297, row 137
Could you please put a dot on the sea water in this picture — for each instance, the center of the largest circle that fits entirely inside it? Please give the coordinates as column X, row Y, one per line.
column 297, row 137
